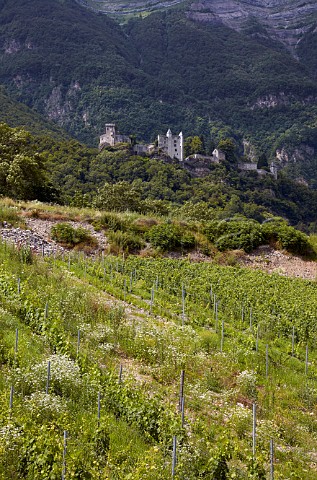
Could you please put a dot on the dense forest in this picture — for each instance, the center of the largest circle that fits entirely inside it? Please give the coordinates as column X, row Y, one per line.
column 161, row 71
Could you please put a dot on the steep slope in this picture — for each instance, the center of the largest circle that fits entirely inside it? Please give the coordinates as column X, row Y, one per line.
column 17, row 114
column 285, row 20
column 82, row 69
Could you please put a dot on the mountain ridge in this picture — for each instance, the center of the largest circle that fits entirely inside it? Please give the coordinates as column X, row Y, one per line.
column 82, row 70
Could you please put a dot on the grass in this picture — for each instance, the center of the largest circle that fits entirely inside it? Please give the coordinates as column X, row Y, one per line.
column 140, row 415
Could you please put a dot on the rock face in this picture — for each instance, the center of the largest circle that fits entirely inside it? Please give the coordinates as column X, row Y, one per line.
column 284, row 20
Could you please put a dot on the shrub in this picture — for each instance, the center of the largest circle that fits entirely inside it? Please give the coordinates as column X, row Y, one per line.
column 168, row 236
column 124, row 242
column 234, row 234
column 70, row 236
column 285, row 237
column 111, row 221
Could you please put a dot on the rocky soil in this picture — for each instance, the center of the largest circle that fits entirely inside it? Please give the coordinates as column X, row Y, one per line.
column 275, row 261
column 37, row 237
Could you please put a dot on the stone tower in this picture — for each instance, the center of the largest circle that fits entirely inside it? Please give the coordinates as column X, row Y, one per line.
column 172, row 145
column 109, row 137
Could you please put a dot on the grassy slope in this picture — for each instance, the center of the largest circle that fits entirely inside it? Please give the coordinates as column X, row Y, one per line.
column 109, row 301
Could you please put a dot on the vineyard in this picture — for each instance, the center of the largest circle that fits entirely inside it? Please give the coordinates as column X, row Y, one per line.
column 139, row 368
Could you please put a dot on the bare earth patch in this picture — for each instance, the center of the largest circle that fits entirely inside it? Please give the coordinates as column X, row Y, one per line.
column 275, row 261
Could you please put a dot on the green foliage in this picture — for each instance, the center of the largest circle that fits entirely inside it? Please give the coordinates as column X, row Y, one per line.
column 193, row 145
column 124, row 241
column 112, row 221
column 234, row 234
column 22, row 174
column 168, row 236
column 286, row 237
column 119, row 197
column 66, row 234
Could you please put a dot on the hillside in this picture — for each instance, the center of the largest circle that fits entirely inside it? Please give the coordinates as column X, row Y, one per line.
column 165, row 70
column 17, row 114
column 109, row 361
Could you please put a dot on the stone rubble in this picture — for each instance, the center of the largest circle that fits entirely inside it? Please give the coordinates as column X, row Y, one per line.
column 37, row 236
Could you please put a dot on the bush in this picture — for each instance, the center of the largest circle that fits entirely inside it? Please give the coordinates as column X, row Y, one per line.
column 167, row 236
column 124, row 242
column 285, row 237
column 234, row 234
column 111, row 221
column 70, row 236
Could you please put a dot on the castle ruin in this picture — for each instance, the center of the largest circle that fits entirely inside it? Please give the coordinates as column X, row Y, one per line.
column 171, row 145
column 111, row 137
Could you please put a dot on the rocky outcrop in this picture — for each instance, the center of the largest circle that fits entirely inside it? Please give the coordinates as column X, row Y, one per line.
column 285, row 20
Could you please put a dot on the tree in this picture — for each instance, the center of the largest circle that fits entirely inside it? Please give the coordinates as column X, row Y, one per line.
column 22, row 174
column 228, row 147
column 119, row 197
column 193, row 145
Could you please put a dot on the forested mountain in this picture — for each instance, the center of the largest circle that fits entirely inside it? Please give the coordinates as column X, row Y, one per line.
column 174, row 68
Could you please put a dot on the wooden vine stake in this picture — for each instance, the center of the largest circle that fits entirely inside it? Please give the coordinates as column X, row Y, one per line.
column 64, row 455
column 99, row 408
column 120, row 374
column 124, row 289
column 216, row 316
column 271, row 459
column 254, row 431
column 306, row 360
column 78, row 342
column 181, row 390
column 152, row 299
column 48, row 379
column 46, row 310
column 174, row 457
column 222, row 335
column 183, row 305
column 11, row 398
column 183, row 411
column 293, row 340
column 267, row 361
column 16, row 345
